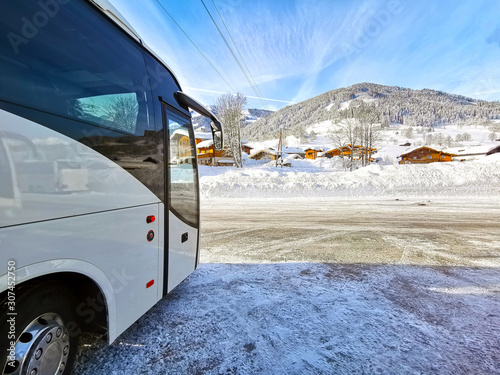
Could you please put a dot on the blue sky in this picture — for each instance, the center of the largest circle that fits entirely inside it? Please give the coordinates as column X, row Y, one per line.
column 296, row 50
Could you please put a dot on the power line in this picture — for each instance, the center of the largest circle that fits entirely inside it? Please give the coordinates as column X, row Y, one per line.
column 229, row 47
column 239, row 53
column 234, row 56
column 199, row 50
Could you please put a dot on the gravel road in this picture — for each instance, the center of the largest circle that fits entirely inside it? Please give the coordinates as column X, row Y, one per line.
column 419, row 231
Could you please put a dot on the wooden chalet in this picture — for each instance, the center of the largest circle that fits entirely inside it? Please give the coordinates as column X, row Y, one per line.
column 312, row 152
column 263, row 154
column 202, row 136
column 205, row 151
column 247, row 149
column 181, row 146
column 425, row 154
column 494, row 150
column 207, row 155
column 357, row 151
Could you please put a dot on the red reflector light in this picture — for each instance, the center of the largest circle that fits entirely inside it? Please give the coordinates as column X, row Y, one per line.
column 150, row 284
column 150, row 219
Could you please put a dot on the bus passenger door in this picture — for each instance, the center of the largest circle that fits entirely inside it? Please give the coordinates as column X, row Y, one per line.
column 182, row 198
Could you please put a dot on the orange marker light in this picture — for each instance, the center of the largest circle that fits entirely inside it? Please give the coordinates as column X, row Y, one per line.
column 150, row 219
column 150, row 284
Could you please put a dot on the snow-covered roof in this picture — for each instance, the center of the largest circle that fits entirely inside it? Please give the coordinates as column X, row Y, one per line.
column 293, row 150
column 207, row 143
column 179, row 133
column 202, row 135
column 256, row 151
column 494, row 150
column 435, row 148
column 474, row 150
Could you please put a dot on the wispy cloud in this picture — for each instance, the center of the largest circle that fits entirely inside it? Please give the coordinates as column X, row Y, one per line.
column 248, row 96
column 296, row 50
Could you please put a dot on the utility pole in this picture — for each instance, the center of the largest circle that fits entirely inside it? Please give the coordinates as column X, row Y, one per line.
column 279, row 152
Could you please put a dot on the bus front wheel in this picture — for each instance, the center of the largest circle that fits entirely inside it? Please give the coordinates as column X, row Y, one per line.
column 46, row 332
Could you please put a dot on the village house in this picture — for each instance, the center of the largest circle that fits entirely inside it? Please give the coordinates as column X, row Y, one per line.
column 312, row 152
column 268, row 154
column 494, row 150
column 296, row 152
column 357, row 151
column 207, row 155
column 247, row 149
column 205, row 151
column 468, row 153
column 425, row 154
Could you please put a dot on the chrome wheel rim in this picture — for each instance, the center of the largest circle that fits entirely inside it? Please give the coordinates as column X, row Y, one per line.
column 42, row 348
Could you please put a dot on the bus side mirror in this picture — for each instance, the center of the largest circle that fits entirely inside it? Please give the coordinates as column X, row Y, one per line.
column 218, row 140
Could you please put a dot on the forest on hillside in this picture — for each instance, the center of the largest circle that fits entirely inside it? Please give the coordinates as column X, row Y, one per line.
column 417, row 108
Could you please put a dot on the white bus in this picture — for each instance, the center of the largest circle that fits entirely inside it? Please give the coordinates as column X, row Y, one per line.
column 99, row 199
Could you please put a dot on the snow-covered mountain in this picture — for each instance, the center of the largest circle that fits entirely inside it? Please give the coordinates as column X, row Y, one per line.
column 253, row 114
column 394, row 105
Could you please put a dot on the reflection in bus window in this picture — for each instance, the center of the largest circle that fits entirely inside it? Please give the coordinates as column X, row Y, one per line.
column 117, row 111
column 182, row 162
column 92, row 73
column 7, row 185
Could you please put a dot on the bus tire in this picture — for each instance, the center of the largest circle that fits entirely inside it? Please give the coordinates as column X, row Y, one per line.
column 46, row 332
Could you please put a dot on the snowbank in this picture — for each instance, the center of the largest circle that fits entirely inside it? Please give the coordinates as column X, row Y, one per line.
column 326, row 177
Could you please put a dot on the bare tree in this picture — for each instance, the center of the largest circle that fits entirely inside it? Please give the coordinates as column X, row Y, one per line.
column 449, row 141
column 348, row 131
column 357, row 132
column 229, row 108
column 368, row 130
column 466, row 137
column 339, row 140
